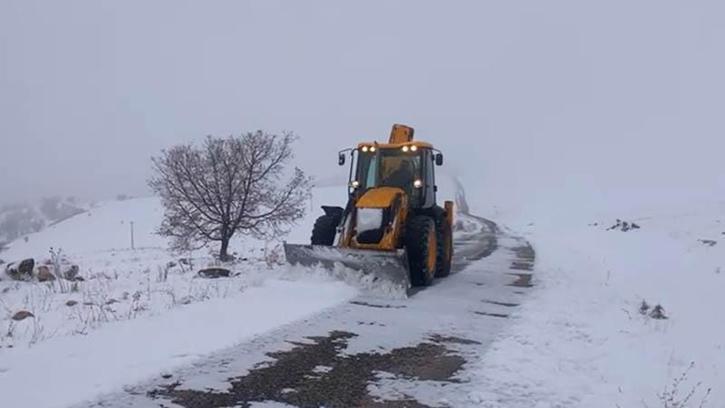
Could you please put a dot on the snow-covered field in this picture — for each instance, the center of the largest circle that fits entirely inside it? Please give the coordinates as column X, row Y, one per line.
column 138, row 311
column 584, row 339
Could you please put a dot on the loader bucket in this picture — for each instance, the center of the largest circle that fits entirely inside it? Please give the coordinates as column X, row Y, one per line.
column 381, row 271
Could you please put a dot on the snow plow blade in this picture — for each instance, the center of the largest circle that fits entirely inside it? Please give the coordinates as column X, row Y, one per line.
column 379, row 271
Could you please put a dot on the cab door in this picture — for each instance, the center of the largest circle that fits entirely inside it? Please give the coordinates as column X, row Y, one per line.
column 428, row 195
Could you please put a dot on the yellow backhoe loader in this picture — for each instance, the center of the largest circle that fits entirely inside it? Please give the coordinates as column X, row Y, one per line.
column 392, row 227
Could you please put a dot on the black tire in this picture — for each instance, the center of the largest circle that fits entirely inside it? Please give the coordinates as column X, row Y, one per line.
column 445, row 247
column 421, row 245
column 325, row 229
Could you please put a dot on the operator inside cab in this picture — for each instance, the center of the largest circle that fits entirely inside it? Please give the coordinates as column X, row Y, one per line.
column 402, row 177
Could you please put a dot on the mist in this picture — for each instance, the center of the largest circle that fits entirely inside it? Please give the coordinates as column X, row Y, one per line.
column 531, row 100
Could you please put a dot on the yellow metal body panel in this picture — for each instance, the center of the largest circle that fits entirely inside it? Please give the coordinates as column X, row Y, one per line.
column 401, row 134
column 448, row 206
column 381, row 197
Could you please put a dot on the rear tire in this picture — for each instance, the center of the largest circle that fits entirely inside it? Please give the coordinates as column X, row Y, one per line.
column 325, row 229
column 421, row 244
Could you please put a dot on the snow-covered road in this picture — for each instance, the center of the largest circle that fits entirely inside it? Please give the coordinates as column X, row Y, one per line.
column 370, row 351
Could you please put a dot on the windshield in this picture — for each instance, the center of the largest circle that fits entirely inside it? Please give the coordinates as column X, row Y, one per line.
column 388, row 167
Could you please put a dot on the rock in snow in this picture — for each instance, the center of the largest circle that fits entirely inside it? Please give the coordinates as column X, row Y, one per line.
column 22, row 315
column 44, row 274
column 22, row 270
column 213, row 273
column 71, row 273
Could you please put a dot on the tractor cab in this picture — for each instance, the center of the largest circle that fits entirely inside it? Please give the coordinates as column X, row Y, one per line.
column 402, row 163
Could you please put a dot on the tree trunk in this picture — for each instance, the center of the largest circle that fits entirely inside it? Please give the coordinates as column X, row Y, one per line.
column 223, row 255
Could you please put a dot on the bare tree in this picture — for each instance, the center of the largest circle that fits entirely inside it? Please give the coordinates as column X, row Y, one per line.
column 229, row 185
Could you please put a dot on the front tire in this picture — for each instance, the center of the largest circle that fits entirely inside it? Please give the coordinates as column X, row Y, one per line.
column 421, row 243
column 325, row 229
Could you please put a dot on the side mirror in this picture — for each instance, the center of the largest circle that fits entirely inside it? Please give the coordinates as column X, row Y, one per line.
column 439, row 159
column 341, row 159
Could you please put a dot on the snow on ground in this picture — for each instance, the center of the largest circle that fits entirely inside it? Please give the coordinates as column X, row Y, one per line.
column 139, row 311
column 72, row 369
column 582, row 338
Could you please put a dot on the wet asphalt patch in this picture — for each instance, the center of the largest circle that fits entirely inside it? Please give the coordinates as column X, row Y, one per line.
column 505, row 304
column 359, row 303
column 489, row 314
column 525, row 258
column 437, row 338
column 523, row 280
column 361, row 323
column 522, row 266
column 525, row 252
column 294, row 377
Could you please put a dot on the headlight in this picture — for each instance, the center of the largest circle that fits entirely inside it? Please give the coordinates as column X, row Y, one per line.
column 417, row 184
column 413, row 148
column 406, row 148
column 372, row 148
column 364, row 149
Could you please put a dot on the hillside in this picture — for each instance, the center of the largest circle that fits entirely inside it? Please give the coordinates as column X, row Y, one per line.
column 22, row 219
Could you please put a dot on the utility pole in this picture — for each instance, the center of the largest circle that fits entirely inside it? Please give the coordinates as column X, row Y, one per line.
column 132, row 243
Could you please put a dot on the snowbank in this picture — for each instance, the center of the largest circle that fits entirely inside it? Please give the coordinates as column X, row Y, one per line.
column 584, row 338
column 68, row 370
column 139, row 311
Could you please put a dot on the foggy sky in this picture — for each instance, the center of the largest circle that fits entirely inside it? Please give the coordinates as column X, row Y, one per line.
column 527, row 98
